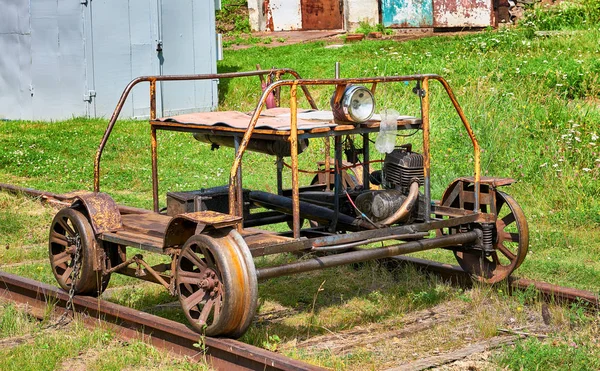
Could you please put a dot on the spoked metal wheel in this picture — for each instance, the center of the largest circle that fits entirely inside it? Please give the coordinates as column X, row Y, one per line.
column 70, row 229
column 216, row 284
column 510, row 235
column 510, row 238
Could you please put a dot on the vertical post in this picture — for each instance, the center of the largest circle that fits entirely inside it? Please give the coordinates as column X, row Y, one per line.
column 238, row 189
column 327, row 161
column 294, row 155
column 366, row 159
column 337, row 182
column 154, row 146
column 426, row 153
column 279, row 175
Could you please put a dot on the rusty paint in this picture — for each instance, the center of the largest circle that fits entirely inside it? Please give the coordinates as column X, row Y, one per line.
column 460, row 13
column 103, row 212
column 321, row 14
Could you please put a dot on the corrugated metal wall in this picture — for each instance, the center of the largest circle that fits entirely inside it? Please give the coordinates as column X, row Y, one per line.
column 60, row 59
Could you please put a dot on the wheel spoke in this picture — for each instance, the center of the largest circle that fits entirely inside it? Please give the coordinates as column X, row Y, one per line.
column 193, row 299
column 206, row 310
column 189, row 277
column 509, row 219
column 66, row 275
column 511, row 237
column 495, row 258
column 58, row 238
column 61, row 258
column 63, row 223
column 506, row 252
column 208, row 257
column 195, row 259
column 218, row 303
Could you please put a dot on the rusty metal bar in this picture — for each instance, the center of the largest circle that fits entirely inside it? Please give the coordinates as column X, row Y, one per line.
column 366, row 255
column 426, row 152
column 457, row 275
column 154, row 146
column 327, row 162
column 365, row 165
column 134, row 82
column 294, row 154
column 476, row 149
column 220, row 354
column 384, row 79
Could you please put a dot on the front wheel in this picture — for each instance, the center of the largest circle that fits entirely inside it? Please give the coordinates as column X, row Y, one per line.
column 216, row 284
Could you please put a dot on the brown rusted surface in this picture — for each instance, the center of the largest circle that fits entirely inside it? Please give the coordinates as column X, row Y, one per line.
column 459, row 13
column 240, row 120
column 294, row 153
column 183, row 226
column 321, row 14
column 102, row 210
column 221, row 354
column 493, row 181
column 149, row 224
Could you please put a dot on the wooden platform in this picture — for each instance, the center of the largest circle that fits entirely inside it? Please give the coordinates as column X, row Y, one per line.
column 147, row 232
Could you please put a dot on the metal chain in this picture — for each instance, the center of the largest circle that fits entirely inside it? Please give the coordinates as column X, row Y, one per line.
column 74, row 279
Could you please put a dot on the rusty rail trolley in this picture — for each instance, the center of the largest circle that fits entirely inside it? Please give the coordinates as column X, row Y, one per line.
column 211, row 235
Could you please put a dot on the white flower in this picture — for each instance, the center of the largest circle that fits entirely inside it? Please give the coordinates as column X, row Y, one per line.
column 544, row 164
column 586, row 169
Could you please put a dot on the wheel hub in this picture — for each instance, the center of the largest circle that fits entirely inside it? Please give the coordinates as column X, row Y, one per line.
column 210, row 282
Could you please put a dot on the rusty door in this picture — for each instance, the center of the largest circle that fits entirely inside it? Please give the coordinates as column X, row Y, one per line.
column 463, row 13
column 407, row 13
column 321, row 14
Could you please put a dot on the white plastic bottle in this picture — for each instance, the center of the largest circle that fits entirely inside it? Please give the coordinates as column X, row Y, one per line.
column 388, row 128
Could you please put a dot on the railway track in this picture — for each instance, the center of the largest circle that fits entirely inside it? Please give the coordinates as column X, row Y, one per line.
column 222, row 354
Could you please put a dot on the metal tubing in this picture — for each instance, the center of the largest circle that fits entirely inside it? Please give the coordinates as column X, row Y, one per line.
column 404, row 209
column 279, row 175
column 426, row 153
column 476, row 149
column 151, row 79
column 294, row 154
column 406, row 236
column 154, row 152
column 366, row 170
column 337, row 183
column 306, row 209
column 154, row 274
column 239, row 193
column 327, row 162
column 366, row 255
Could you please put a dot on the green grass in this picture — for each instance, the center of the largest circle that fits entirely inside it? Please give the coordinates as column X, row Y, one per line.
column 75, row 347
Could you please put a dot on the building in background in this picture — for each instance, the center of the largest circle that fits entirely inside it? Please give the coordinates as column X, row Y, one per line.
column 283, row 15
column 65, row 58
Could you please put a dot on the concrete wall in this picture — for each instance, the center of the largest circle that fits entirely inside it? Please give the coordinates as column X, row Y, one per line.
column 356, row 11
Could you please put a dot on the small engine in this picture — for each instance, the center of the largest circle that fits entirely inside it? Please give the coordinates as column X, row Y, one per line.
column 400, row 167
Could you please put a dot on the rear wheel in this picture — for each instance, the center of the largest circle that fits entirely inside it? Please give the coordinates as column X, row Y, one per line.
column 510, row 237
column 70, row 229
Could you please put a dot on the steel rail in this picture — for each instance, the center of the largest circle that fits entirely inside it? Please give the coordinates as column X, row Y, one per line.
column 457, row 275
column 222, row 354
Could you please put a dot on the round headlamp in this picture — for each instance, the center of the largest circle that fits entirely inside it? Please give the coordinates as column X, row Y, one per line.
column 357, row 104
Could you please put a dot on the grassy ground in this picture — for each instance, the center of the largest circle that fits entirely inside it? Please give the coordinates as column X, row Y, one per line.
column 534, row 103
